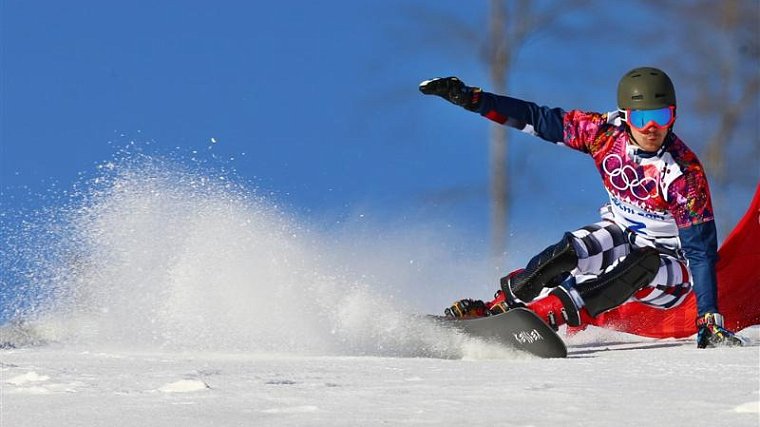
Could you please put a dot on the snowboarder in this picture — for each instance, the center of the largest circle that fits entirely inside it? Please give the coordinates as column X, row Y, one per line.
column 656, row 236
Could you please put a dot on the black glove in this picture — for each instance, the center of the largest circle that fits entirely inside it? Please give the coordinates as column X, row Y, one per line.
column 453, row 90
column 711, row 333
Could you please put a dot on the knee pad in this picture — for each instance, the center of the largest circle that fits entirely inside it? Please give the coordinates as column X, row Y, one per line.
column 616, row 286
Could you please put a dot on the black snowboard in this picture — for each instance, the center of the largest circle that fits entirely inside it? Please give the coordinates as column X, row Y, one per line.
column 518, row 328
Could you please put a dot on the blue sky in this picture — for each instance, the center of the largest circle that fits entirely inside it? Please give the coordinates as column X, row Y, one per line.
column 314, row 102
column 310, row 93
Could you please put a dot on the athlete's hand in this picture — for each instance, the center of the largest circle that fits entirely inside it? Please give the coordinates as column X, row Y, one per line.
column 453, row 90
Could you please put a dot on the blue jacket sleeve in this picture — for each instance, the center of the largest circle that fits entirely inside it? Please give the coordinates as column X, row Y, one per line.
column 700, row 243
column 544, row 122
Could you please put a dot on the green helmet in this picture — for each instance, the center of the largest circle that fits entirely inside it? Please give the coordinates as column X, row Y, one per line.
column 645, row 88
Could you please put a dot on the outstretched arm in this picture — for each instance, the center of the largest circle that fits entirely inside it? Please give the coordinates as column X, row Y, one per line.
column 574, row 129
column 544, row 122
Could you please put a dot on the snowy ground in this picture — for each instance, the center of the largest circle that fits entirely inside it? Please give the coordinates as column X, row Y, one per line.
column 669, row 383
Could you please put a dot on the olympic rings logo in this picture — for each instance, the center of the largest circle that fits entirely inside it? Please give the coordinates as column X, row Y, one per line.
column 625, row 177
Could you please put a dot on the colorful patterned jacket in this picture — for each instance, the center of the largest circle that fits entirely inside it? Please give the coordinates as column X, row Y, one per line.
column 662, row 197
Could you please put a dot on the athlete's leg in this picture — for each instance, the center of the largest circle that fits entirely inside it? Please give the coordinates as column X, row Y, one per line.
column 589, row 250
column 669, row 287
column 575, row 303
column 599, row 246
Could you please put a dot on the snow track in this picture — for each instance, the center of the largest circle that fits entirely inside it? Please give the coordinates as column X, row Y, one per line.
column 597, row 386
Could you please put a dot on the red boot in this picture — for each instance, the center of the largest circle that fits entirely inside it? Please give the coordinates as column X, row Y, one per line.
column 558, row 308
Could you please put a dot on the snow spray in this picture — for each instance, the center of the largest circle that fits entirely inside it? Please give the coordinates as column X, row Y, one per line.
column 154, row 254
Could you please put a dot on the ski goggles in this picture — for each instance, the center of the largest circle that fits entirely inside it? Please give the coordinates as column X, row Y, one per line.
column 642, row 120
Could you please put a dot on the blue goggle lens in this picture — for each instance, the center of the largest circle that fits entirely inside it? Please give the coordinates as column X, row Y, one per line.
column 662, row 117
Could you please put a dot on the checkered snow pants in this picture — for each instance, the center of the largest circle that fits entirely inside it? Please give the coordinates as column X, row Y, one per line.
column 602, row 245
